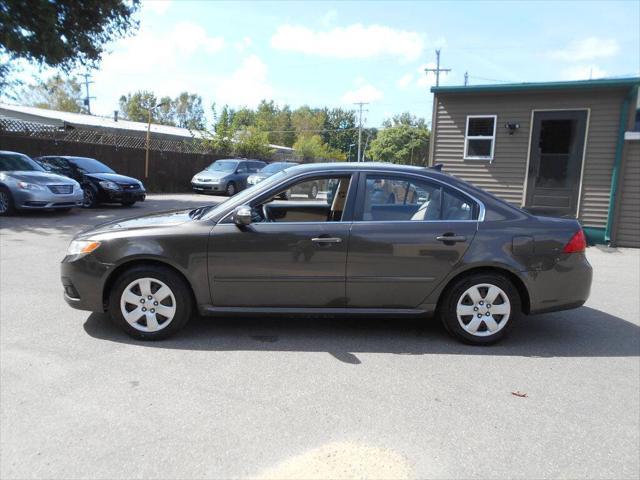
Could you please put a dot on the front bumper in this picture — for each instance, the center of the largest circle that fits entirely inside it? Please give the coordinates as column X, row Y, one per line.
column 208, row 186
column 117, row 196
column 83, row 281
column 42, row 199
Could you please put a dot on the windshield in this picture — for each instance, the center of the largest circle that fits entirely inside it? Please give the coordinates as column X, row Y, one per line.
column 275, row 167
column 238, row 199
column 223, row 166
column 12, row 162
column 90, row 165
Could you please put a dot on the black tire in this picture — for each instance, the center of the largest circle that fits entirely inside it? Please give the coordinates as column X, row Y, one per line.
column 6, row 202
column 231, row 189
column 313, row 193
column 90, row 199
column 128, row 203
column 447, row 310
column 179, row 288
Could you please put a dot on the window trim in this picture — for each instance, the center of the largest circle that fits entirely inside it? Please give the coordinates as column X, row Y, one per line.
column 477, row 137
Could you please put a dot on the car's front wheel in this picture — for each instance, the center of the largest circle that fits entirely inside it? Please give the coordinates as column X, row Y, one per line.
column 480, row 309
column 6, row 202
column 150, row 302
column 90, row 197
column 231, row 189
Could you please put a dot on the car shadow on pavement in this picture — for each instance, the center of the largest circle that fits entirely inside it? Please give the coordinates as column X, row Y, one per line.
column 584, row 332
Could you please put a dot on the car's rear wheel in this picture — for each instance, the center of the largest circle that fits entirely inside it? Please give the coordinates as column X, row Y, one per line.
column 6, row 202
column 90, row 197
column 480, row 309
column 150, row 302
column 231, row 189
column 313, row 193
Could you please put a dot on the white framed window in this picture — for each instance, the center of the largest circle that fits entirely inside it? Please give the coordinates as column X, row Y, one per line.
column 480, row 137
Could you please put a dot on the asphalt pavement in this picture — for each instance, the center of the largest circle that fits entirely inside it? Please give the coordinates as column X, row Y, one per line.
column 308, row 398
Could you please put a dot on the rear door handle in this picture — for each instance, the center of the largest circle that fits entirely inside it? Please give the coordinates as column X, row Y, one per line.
column 326, row 240
column 451, row 238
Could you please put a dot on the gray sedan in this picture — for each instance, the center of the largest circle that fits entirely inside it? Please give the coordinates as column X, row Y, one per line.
column 227, row 176
column 441, row 247
column 25, row 185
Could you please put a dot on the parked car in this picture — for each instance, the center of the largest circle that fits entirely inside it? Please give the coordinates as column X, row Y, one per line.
column 311, row 189
column 227, row 176
column 100, row 184
column 455, row 251
column 25, row 185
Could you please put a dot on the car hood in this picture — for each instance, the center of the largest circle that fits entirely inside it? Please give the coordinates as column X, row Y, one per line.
column 39, row 177
column 212, row 175
column 113, row 177
column 162, row 219
column 261, row 176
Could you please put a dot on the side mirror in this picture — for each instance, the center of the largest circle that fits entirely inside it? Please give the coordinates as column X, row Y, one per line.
column 242, row 215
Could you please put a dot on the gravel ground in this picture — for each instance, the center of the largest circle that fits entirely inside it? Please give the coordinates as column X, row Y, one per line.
column 289, row 398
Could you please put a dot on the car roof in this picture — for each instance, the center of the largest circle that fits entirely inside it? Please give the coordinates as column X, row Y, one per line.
column 355, row 166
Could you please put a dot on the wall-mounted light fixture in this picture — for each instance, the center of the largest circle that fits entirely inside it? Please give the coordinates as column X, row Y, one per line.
column 512, row 127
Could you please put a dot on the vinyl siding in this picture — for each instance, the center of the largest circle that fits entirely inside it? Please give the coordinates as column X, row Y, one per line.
column 505, row 176
column 628, row 212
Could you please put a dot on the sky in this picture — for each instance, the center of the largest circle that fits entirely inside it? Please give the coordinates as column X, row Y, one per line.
column 337, row 53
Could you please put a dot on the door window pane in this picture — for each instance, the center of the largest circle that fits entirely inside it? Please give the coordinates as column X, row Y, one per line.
column 556, row 141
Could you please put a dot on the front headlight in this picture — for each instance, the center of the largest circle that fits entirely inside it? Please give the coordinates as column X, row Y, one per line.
column 109, row 185
column 82, row 247
column 30, row 186
column 252, row 180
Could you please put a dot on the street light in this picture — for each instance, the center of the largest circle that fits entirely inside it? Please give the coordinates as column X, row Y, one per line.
column 146, row 158
column 349, row 156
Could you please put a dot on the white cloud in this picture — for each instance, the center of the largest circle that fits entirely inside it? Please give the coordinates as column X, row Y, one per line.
column 329, row 17
column 354, row 41
column 243, row 44
column 157, row 6
column 404, row 81
column 148, row 50
column 584, row 72
column 364, row 92
column 587, row 49
column 247, row 85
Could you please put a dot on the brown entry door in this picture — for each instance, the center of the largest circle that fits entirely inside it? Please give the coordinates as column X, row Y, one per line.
column 555, row 162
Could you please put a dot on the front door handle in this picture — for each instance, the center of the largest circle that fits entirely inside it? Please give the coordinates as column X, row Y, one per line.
column 451, row 238
column 326, row 240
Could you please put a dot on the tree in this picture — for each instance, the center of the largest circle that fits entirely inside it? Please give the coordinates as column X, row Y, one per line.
column 57, row 93
column 307, row 121
column 188, row 111
column 340, row 129
column 135, row 106
column 62, row 33
column 286, row 135
column 312, row 147
column 252, row 143
column 405, row 139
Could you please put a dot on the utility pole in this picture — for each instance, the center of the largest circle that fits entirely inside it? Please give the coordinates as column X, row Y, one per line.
column 466, row 78
column 360, row 104
column 437, row 70
column 87, row 98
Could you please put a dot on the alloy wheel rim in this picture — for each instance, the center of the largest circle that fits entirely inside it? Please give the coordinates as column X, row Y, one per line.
column 4, row 202
column 87, row 199
column 231, row 190
column 314, row 191
column 148, row 304
column 483, row 310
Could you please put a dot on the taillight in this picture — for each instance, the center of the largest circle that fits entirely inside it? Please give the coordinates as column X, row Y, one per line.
column 577, row 244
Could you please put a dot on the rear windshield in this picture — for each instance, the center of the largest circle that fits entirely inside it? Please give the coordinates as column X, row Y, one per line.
column 12, row 162
column 223, row 166
column 90, row 165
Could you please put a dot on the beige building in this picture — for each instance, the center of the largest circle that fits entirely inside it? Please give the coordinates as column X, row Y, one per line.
column 559, row 148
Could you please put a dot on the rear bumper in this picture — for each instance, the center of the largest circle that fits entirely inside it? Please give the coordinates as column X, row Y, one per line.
column 567, row 285
column 38, row 199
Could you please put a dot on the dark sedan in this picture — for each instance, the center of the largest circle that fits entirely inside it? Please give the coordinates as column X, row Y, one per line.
column 100, row 184
column 441, row 247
